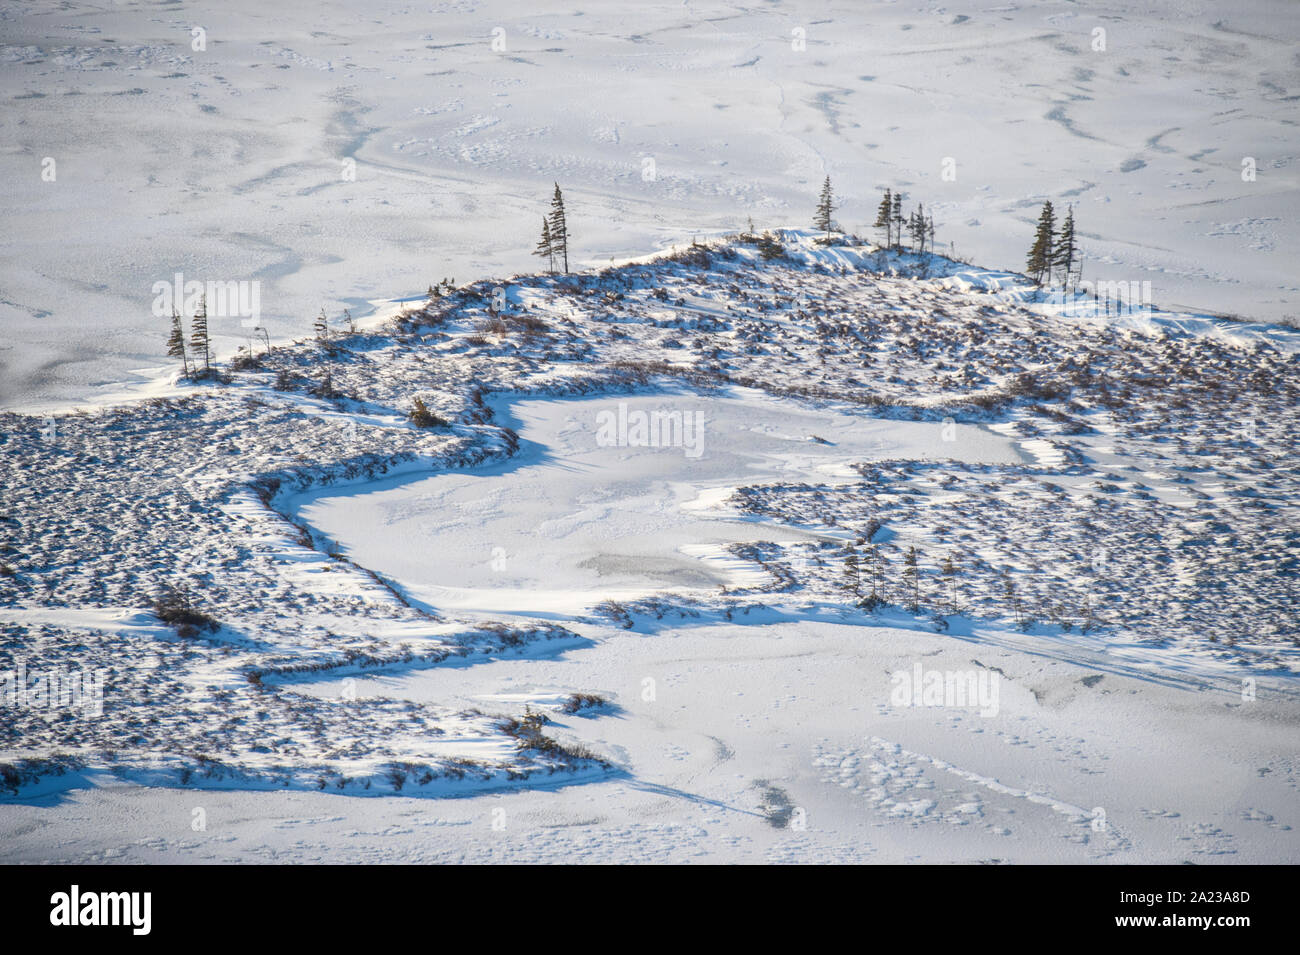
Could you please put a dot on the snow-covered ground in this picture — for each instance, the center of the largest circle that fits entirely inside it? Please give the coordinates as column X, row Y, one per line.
column 338, row 156
column 568, row 523
column 772, row 742
column 1108, row 673
column 617, row 605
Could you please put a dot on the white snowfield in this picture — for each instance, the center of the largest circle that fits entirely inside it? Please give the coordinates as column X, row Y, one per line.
column 336, row 157
column 774, row 737
column 568, row 523
column 750, row 713
column 632, row 532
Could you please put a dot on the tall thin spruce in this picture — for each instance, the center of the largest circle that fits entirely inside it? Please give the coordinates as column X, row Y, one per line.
column 1039, row 261
column 852, row 572
column 546, row 248
column 199, row 342
column 1065, row 254
column 176, row 343
column 825, row 206
column 884, row 213
column 559, row 228
column 912, row 573
column 950, row 574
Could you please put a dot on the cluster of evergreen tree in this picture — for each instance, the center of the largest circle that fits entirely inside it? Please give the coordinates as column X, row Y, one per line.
column 1050, row 255
column 1054, row 253
column 863, row 570
column 200, row 344
column 918, row 226
column 554, row 243
column 865, row 575
column 446, row 286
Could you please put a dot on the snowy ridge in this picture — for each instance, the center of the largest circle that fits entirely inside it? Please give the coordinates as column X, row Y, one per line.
column 374, row 581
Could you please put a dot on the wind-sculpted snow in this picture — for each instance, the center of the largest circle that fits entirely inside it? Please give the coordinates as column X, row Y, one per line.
column 1136, row 488
column 336, row 157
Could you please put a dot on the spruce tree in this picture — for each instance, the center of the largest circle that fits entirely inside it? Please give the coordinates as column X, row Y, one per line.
column 769, row 247
column 559, row 228
column 883, row 215
column 898, row 219
column 1039, row 261
column 875, row 598
column 176, row 343
column 912, row 573
column 322, row 326
column 545, row 248
column 950, row 573
column 1009, row 586
column 852, row 575
column 199, row 343
column 825, row 206
column 1066, row 253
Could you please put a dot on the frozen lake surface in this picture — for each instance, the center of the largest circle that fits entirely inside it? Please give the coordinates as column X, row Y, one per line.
column 568, row 523
column 340, row 159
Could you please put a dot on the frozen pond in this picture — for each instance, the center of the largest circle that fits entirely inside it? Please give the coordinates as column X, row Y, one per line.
column 590, row 510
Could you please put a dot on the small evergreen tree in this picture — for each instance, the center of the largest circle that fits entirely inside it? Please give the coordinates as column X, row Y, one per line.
column 545, row 248
column 912, row 575
column 1009, row 587
column 950, row 575
column 176, row 343
column 884, row 214
column 1039, row 261
column 1090, row 621
column 199, row 343
column 322, row 328
column 352, row 325
column 872, row 557
column 852, row 573
column 916, row 227
column 559, row 228
column 422, row 417
column 897, row 218
column 825, row 206
column 769, row 247
column 1065, row 254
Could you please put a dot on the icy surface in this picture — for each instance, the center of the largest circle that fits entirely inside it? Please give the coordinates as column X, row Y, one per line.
column 567, row 524
column 404, row 615
column 1133, row 485
column 227, row 163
